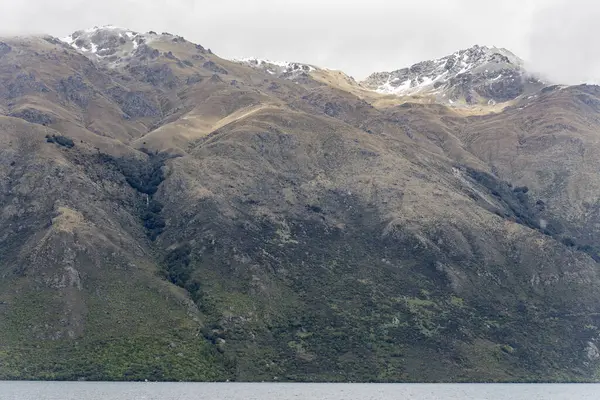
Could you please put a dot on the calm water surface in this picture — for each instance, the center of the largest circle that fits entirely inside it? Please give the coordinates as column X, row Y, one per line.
column 281, row 391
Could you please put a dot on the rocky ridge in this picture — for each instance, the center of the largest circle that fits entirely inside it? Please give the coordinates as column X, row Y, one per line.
column 475, row 75
column 114, row 46
column 281, row 69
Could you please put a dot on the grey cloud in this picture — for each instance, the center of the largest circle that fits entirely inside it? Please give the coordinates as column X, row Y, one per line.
column 562, row 41
column 357, row 36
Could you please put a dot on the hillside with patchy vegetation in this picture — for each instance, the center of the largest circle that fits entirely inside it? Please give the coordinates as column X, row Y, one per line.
column 171, row 215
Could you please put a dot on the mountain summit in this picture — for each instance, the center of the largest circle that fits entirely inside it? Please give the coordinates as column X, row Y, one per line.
column 475, row 75
column 114, row 46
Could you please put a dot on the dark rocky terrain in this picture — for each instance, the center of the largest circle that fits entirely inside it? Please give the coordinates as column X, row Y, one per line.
column 171, row 215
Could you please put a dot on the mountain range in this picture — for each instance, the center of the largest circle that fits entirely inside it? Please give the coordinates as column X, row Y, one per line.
column 169, row 214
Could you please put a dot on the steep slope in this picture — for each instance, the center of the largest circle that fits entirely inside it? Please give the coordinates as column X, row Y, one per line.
column 473, row 76
column 344, row 271
column 173, row 215
column 79, row 292
column 548, row 143
column 47, row 84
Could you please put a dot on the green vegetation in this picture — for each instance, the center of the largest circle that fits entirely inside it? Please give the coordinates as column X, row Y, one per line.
column 145, row 178
column 120, row 359
column 60, row 140
column 343, row 312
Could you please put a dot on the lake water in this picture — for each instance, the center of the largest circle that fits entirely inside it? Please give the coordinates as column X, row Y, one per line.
column 284, row 391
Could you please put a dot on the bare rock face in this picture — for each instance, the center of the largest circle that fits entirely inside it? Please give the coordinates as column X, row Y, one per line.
column 116, row 47
column 4, row 49
column 34, row 116
column 160, row 75
column 76, row 90
column 106, row 42
column 293, row 71
column 22, row 84
column 593, row 354
column 134, row 104
column 475, row 75
column 211, row 66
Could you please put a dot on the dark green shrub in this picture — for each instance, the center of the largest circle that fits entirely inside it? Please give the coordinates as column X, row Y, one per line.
column 60, row 140
column 145, row 177
column 153, row 221
column 521, row 189
column 155, row 206
column 314, row 208
column 177, row 265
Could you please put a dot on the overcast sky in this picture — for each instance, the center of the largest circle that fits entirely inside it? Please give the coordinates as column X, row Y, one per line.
column 557, row 37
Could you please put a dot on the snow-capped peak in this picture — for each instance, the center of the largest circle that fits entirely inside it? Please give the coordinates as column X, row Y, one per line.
column 111, row 44
column 474, row 74
column 90, row 40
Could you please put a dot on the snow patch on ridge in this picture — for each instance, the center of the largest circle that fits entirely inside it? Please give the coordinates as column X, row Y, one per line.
column 114, row 45
column 281, row 69
column 253, row 61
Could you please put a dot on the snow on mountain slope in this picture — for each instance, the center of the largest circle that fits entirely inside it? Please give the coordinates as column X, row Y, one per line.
column 112, row 45
column 478, row 75
column 475, row 75
column 282, row 69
